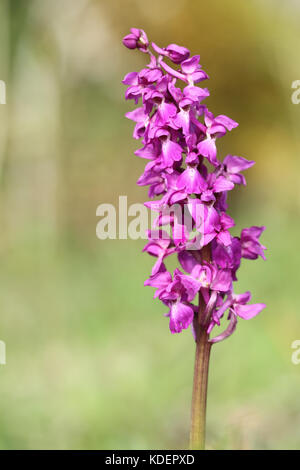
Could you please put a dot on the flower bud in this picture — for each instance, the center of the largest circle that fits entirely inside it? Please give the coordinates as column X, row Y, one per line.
column 137, row 39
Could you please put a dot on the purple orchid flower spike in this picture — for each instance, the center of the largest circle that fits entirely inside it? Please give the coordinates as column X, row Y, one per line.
column 188, row 186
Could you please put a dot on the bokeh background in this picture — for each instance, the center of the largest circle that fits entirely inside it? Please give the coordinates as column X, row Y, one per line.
column 90, row 361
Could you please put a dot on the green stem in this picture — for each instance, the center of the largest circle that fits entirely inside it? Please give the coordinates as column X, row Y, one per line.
column 198, row 419
column 199, row 398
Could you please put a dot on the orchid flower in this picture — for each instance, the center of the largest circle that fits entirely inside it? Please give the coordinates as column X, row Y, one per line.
column 179, row 138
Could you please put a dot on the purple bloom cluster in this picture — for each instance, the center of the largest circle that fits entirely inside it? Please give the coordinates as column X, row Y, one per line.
column 179, row 136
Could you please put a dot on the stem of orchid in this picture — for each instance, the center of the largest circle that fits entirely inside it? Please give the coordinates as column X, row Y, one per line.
column 198, row 418
column 199, row 397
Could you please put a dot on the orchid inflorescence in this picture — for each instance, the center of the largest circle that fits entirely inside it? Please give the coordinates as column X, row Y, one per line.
column 179, row 137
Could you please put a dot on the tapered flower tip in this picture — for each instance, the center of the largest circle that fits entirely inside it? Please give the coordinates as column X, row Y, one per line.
column 236, row 164
column 136, row 39
column 242, row 298
column 249, row 311
column 226, row 121
column 254, row 231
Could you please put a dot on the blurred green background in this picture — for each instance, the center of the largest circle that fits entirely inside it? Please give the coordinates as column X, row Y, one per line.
column 90, row 360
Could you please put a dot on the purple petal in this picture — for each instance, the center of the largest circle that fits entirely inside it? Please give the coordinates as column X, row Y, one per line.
column 248, row 311
column 251, row 247
column 166, row 111
column 149, row 152
column 222, row 281
column 175, row 92
column 161, row 279
column 195, row 93
column 131, row 79
column 187, row 261
column 236, row 164
column 224, row 237
column 191, row 181
column 253, row 232
column 226, row 121
column 242, row 298
column 180, row 232
column 190, row 65
column 191, row 285
column 137, row 115
column 227, row 221
column 222, row 184
column 182, row 121
column 211, row 219
column 199, row 76
column 208, row 149
column 171, row 152
column 197, row 210
column 130, row 41
column 181, row 316
column 151, row 75
column 177, row 53
column 217, row 129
